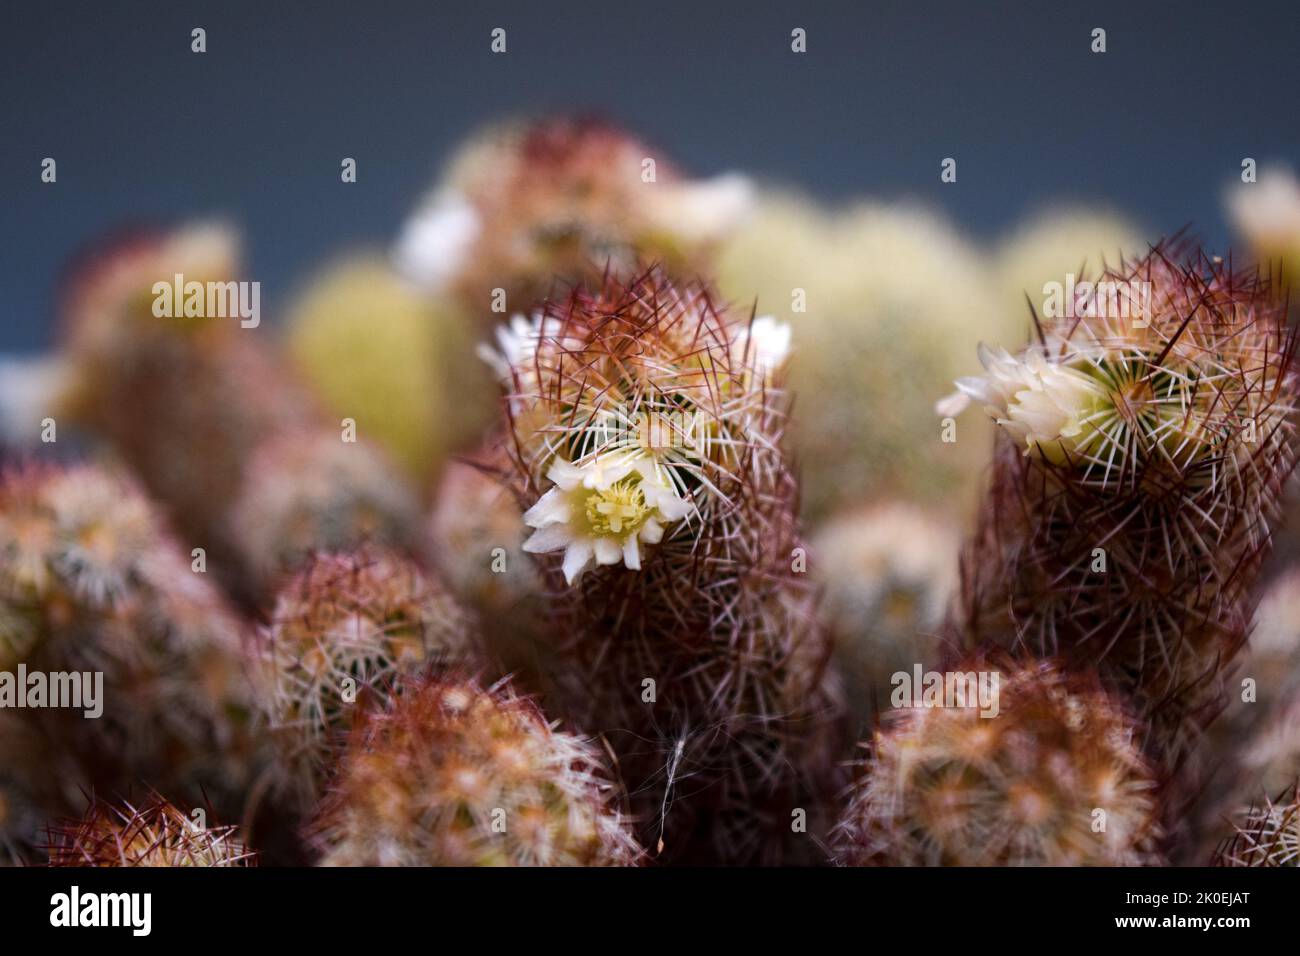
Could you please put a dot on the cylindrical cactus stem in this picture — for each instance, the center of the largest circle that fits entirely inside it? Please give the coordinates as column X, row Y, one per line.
column 343, row 630
column 93, row 587
column 185, row 399
column 476, row 547
column 312, row 491
column 1145, row 441
column 450, row 773
column 154, row 834
column 197, row 401
column 525, row 207
column 646, row 426
column 1048, row 771
column 1267, row 835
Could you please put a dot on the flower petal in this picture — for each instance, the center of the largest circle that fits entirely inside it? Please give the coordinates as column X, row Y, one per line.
column 608, row 551
column 576, row 559
column 551, row 538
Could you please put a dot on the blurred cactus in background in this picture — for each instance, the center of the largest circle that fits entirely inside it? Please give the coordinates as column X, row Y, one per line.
column 154, row 834
column 1145, row 439
column 449, row 773
column 36, row 782
column 183, row 400
column 1056, row 777
column 1253, row 748
column 646, row 430
column 525, row 208
column 883, row 300
column 91, row 582
column 312, row 491
column 344, row 628
column 1267, row 214
column 1056, row 243
column 476, row 547
column 399, row 363
column 203, row 410
column 887, row 572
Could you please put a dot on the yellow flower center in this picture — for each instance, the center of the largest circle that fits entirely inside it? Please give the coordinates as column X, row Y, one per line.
column 619, row 509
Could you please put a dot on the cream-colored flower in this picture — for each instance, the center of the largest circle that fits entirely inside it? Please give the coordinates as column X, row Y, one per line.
column 1267, row 212
column 605, row 509
column 518, row 342
column 436, row 241
column 1042, row 404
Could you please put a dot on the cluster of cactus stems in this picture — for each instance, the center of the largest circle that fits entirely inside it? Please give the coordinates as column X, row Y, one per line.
column 648, row 578
column 1145, row 440
column 205, row 412
column 90, row 581
column 526, row 208
column 1056, row 778
column 154, row 834
column 645, row 429
column 452, row 773
column 343, row 630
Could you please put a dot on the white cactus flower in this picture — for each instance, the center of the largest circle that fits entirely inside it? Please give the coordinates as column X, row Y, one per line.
column 436, row 241
column 605, row 509
column 1042, row 404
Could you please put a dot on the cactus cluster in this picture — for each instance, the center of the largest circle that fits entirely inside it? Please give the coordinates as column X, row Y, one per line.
column 343, row 629
column 645, row 430
column 1144, row 442
column 154, row 834
column 204, row 410
column 1055, row 778
column 526, row 207
column 363, row 671
column 451, row 773
column 91, row 581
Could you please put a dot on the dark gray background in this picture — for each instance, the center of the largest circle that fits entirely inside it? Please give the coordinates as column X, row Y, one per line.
column 144, row 131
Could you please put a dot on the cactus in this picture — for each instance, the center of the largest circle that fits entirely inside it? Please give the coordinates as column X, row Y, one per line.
column 1266, row 836
column 887, row 572
column 1055, row 243
column 91, row 581
column 523, row 205
column 1055, row 778
column 1253, row 747
column 646, row 428
column 153, row 834
column 184, row 400
column 1144, row 442
column 345, row 626
column 476, row 548
column 880, row 297
column 378, row 351
column 311, row 491
column 449, row 773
